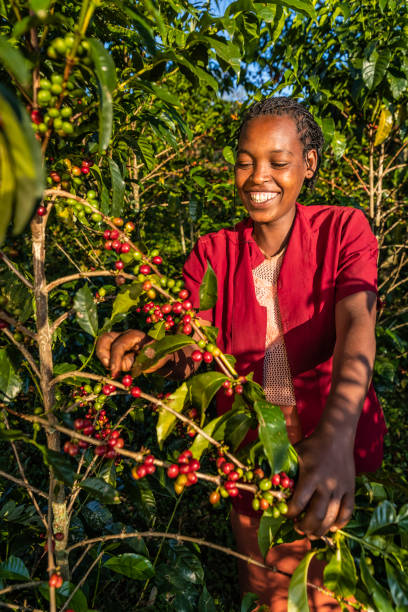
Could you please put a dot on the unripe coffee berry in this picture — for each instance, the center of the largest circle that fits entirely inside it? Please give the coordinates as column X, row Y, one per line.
column 255, row 504
column 263, row 504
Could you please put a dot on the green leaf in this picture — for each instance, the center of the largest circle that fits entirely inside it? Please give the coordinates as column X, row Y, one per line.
column 402, row 519
column 126, row 298
column 340, row 573
column 301, row 6
column 40, row 7
column 268, row 528
column 118, row 188
column 10, row 382
column 375, row 589
column 100, row 489
column 398, row 583
column 25, row 155
column 328, row 128
column 272, row 434
column 10, row 435
column 228, row 155
column 158, row 331
column 248, row 601
column 384, row 126
column 86, row 312
column 383, row 517
column 211, row 333
column 374, row 68
column 146, row 151
column 206, row 602
column 131, row 565
column 297, row 594
column 14, row 569
column 106, row 75
column 62, row 594
column 96, row 515
column 203, row 387
column 237, row 427
column 108, row 472
column 166, row 420
column 7, row 187
column 216, row 429
column 208, row 289
column 60, row 464
column 339, row 145
column 14, row 62
column 153, row 352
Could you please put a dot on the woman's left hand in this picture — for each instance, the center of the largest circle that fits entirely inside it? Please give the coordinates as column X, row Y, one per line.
column 324, row 492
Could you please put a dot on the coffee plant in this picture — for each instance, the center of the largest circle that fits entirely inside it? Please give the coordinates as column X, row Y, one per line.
column 94, row 467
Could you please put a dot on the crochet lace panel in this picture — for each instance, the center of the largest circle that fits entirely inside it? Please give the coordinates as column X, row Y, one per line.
column 278, row 385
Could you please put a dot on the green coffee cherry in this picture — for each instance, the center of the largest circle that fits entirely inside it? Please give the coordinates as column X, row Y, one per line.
column 265, row 483
column 255, row 504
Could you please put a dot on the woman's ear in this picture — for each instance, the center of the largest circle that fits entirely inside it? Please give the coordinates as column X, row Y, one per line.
column 311, row 163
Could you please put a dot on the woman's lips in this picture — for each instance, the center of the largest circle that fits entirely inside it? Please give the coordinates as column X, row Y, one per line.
column 261, row 199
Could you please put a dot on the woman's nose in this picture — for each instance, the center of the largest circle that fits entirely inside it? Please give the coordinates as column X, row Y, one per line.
column 261, row 173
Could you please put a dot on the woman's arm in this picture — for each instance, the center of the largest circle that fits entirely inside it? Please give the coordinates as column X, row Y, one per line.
column 325, row 488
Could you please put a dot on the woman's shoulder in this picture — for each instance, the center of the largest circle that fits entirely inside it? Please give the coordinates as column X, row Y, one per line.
column 226, row 235
column 321, row 218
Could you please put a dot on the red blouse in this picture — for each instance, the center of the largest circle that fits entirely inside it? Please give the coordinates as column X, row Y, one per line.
column 331, row 254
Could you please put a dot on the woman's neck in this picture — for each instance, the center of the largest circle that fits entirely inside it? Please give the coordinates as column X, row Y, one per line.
column 272, row 238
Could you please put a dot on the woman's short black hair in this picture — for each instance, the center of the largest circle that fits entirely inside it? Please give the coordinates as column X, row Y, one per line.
column 309, row 131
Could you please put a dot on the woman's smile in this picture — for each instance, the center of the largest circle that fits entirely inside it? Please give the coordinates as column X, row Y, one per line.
column 262, row 199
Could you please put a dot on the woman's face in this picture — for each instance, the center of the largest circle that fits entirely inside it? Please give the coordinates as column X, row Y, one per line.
column 271, row 167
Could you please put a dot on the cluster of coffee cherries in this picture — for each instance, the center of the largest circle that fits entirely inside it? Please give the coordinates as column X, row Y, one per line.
column 230, row 475
column 146, row 468
column 265, row 499
column 185, row 429
column 59, row 118
column 56, row 581
column 176, row 313
column 184, row 471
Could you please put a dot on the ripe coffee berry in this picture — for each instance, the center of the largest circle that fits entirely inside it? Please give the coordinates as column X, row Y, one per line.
column 141, row 471
column 166, row 308
column 214, row 498
column 119, row 265
column 229, row 392
column 227, row 467
column 187, row 329
column 197, row 356
column 106, row 389
column 207, row 357
column 264, row 504
column 233, row 492
column 233, row 476
column 55, row 581
column 127, row 380
column 276, row 480
column 226, row 384
column 173, row 471
column 144, row 269
column 135, row 392
column 150, row 469
column 183, row 294
column 120, row 443
column 125, row 248
column 187, row 305
column 157, row 260
column 149, row 460
column 192, row 478
column 41, row 211
column 239, row 389
column 114, row 234
column 285, row 482
column 177, row 307
column 59, row 536
column 220, row 461
column 79, row 424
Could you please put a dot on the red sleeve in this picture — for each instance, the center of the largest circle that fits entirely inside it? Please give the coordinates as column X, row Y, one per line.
column 357, row 269
column 193, row 272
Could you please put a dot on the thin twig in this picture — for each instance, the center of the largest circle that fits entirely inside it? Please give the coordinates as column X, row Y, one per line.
column 19, row 326
column 82, row 581
column 25, row 479
column 61, row 319
column 21, row 483
column 67, row 279
column 23, row 351
column 81, row 558
column 23, row 585
column 15, row 270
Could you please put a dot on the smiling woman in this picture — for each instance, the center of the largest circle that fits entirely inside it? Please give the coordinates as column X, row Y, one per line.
column 296, row 306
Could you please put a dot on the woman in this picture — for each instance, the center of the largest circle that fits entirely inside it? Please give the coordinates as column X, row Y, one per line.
column 296, row 305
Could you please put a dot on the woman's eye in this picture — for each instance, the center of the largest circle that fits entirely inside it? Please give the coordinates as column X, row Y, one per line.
column 244, row 164
column 279, row 165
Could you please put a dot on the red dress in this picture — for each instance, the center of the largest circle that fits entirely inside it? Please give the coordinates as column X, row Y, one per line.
column 331, row 254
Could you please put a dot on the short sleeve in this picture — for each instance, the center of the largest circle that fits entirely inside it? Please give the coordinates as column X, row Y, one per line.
column 193, row 273
column 357, row 266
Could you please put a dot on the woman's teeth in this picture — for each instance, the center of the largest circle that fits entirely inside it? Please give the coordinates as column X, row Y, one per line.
column 262, row 196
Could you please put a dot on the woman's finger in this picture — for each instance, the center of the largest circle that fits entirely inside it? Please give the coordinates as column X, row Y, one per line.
column 128, row 341
column 103, row 347
column 345, row 512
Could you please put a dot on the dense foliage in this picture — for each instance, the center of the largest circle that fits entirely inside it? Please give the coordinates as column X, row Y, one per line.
column 128, row 159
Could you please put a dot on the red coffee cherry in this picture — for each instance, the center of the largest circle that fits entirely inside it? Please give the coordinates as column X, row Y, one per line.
column 227, row 467
column 207, row 357
column 173, row 471
column 150, row 469
column 239, row 389
column 192, row 478
column 187, row 329
column 119, row 265
column 114, row 234
column 106, row 389
column 157, row 260
column 127, row 380
column 79, row 424
column 187, row 305
column 183, row 294
column 233, row 476
column 285, row 482
column 135, row 392
column 107, row 234
column 149, row 460
column 141, row 471
column 120, row 443
column 263, row 504
column 194, row 465
column 276, row 480
column 197, row 356
column 177, row 307
column 166, row 308
column 59, row 536
column 229, row 392
column 100, row 450
column 220, row 461
column 41, row 211
column 233, row 492
column 144, row 269
column 87, row 431
column 125, row 248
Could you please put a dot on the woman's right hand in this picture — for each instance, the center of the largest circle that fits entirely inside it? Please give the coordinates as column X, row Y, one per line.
column 117, row 350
